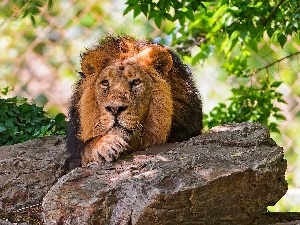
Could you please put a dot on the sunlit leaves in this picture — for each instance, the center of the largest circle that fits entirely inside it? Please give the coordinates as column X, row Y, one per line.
column 159, row 10
column 249, row 103
column 21, row 121
column 28, row 8
column 249, row 19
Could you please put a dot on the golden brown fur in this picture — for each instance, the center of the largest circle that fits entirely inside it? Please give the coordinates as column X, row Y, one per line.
column 133, row 94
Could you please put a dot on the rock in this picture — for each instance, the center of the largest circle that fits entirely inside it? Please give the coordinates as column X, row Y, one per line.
column 5, row 222
column 27, row 171
column 227, row 176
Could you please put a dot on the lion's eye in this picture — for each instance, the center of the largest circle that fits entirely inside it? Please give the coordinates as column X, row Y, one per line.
column 136, row 82
column 104, row 83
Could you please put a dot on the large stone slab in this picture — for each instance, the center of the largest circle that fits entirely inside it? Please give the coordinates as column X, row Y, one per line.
column 227, row 176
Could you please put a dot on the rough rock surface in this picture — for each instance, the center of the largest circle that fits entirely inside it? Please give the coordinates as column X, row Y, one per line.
column 227, row 176
column 27, row 171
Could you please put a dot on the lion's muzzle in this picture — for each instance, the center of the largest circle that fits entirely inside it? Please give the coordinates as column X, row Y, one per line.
column 115, row 109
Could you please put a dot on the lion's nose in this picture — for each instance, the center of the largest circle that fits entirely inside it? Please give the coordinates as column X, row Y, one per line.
column 115, row 109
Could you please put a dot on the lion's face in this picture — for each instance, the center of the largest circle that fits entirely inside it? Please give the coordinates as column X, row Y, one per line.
column 123, row 96
column 126, row 95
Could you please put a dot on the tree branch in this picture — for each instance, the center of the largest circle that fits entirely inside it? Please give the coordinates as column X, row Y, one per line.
column 277, row 61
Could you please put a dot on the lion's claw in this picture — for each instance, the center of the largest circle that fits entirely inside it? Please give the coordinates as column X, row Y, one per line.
column 109, row 147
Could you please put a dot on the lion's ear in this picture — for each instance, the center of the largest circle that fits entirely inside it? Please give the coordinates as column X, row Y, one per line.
column 93, row 62
column 156, row 57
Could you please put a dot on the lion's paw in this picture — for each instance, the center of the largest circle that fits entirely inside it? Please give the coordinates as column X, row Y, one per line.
column 109, row 147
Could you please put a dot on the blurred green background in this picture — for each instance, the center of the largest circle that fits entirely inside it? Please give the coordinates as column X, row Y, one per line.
column 41, row 61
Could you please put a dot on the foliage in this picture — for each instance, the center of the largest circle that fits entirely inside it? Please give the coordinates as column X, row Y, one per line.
column 231, row 31
column 28, row 8
column 250, row 108
column 21, row 121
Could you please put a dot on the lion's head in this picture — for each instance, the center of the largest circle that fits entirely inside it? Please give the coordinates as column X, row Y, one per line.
column 124, row 92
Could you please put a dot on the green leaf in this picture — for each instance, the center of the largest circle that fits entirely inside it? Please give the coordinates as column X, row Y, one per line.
column 25, row 108
column 270, row 31
column 280, row 117
column 144, row 9
column 168, row 16
column 182, row 20
column 194, row 5
column 281, row 39
column 60, row 117
column 33, row 20
column 157, row 21
column 276, row 84
column 177, row 4
column 136, row 11
column 189, row 14
column 50, row 4
column 128, row 9
column 4, row 91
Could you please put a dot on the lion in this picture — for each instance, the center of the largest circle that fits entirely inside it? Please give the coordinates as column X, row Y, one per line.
column 132, row 94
